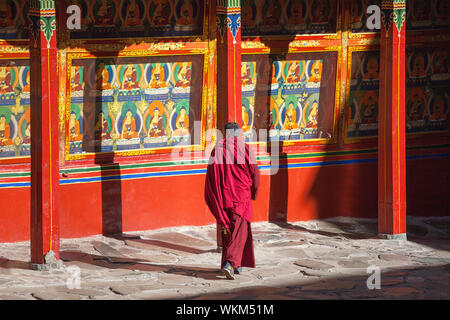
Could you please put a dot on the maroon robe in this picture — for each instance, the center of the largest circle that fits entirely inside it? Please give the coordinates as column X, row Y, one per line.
column 232, row 181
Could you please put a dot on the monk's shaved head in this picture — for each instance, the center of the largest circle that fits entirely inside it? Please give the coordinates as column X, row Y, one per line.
column 232, row 129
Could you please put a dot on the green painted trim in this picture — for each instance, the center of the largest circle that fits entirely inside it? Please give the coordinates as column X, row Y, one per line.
column 14, row 174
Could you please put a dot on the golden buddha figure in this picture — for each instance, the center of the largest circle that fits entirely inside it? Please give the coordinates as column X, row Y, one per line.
column 129, row 127
column 184, row 76
column 290, row 121
column 101, row 127
column 182, row 124
column 6, row 15
column 320, row 11
column 247, row 14
column 186, row 13
column 246, row 74
column 133, row 14
column 102, row 77
column 372, row 72
column 316, row 72
column 5, row 132
column 75, row 81
column 293, row 72
column 158, row 77
column 5, row 81
column 26, row 88
column 313, row 116
column 104, row 14
column 74, row 128
column 245, row 120
column 156, row 125
column 296, row 13
column 130, row 81
column 438, row 109
column 418, row 69
column 160, row 17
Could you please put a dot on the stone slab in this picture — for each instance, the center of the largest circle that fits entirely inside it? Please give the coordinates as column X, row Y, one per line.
column 313, row 264
column 183, row 239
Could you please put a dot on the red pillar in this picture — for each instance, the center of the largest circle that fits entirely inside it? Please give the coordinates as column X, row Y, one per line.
column 229, row 93
column 391, row 122
column 44, row 132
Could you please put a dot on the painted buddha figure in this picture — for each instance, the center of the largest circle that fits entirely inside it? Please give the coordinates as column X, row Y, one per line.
column 416, row 108
column 316, row 72
column 74, row 128
column 422, row 10
column 157, row 79
column 247, row 14
column 246, row 74
column 186, row 14
column 418, row 68
column 102, row 77
column 440, row 63
column 356, row 12
column 438, row 109
column 75, row 82
column 132, row 14
column 372, row 69
column 184, row 76
column 129, row 127
column 293, row 73
column 182, row 124
column 27, row 134
column 290, row 121
column 5, row 132
column 320, row 11
column 101, row 127
column 296, row 13
column 156, row 125
column 130, row 81
column 5, row 81
column 272, row 16
column 26, row 88
column 313, row 116
column 369, row 115
column 160, row 17
column 104, row 14
column 245, row 120
column 6, row 15
column 443, row 10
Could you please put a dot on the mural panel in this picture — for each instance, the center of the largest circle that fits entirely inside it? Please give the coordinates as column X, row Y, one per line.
column 427, row 88
column 291, row 95
column 276, row 17
column 15, row 129
column 13, row 19
column 432, row 14
column 362, row 113
column 139, row 18
column 119, row 104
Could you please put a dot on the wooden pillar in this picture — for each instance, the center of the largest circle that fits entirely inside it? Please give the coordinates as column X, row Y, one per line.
column 229, row 93
column 391, row 122
column 44, row 133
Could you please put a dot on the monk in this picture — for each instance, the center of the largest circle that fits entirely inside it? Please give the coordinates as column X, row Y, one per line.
column 232, row 180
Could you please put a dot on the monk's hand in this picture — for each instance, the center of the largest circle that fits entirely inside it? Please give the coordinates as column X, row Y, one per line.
column 226, row 231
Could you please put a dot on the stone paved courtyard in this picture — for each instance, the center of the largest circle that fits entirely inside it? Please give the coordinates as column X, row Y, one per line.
column 322, row 259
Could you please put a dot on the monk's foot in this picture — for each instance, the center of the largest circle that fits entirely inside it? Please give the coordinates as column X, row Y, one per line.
column 228, row 271
column 238, row 270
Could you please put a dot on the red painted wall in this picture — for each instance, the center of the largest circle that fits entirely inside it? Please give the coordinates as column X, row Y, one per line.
column 313, row 193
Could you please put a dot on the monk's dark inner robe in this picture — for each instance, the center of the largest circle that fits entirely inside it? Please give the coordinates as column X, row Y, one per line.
column 232, row 181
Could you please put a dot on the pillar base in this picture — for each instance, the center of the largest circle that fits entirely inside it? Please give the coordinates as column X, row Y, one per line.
column 51, row 263
column 400, row 236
